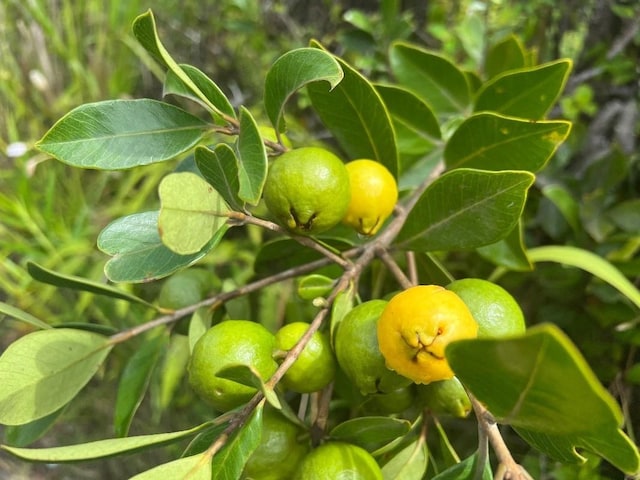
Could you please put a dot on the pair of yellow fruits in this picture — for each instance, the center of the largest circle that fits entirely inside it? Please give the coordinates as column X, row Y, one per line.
column 309, row 190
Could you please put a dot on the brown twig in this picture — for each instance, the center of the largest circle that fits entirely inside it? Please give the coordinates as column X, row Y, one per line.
column 394, row 268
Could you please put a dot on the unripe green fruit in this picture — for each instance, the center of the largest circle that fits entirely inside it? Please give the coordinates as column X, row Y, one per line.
column 183, row 289
column 444, row 397
column 338, row 461
column 307, row 190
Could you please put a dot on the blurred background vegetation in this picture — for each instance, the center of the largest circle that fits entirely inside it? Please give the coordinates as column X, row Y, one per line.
column 58, row 54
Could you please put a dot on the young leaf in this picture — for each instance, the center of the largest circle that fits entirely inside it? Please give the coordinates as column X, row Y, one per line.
column 101, row 448
column 508, row 54
column 252, row 168
column 357, row 117
column 494, row 142
column 589, row 262
column 195, row 467
column 173, row 85
column 22, row 316
column 135, row 380
column 219, row 167
column 44, row 275
column 540, row 383
column 527, row 93
column 371, row 433
column 121, row 134
column 466, row 208
column 42, row 371
column 436, row 80
column 290, row 73
column 138, row 252
column 191, row 212
column 408, row 109
column 408, row 464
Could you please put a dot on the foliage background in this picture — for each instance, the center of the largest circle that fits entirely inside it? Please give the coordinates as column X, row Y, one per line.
column 57, row 54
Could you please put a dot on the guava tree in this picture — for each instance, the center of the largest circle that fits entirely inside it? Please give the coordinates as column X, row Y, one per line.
column 465, row 148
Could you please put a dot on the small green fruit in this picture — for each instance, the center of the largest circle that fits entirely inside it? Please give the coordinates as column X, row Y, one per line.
column 338, row 461
column 446, row 397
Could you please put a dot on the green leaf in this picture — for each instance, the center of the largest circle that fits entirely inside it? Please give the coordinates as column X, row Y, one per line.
column 527, row 93
column 508, row 252
column 246, row 375
column 23, row 435
column 589, row 262
column 539, row 382
column 252, row 168
column 494, row 142
column 432, row 77
column 229, row 462
column 356, row 116
column 42, row 371
column 204, row 439
column 562, row 198
column 408, row 109
column 192, row 212
column 196, row 467
column 144, row 29
column 120, row 134
column 135, row 380
column 172, row 370
column 138, row 252
column 101, row 448
column 22, row 316
column 219, row 167
column 508, row 54
column 314, row 286
column 626, row 215
column 342, row 305
column 371, row 433
column 45, row 275
column 173, row 85
column 290, row 73
column 465, row 470
column 464, row 209
column 410, row 463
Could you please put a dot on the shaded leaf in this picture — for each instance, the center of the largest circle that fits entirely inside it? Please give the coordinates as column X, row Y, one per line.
column 356, row 116
column 527, row 93
column 252, row 167
column 246, row 375
column 406, row 108
column 539, row 382
column 494, row 142
column 408, row 464
column 42, row 371
column 134, row 381
column 371, row 433
column 204, row 439
column 219, row 167
column 23, row 435
column 101, row 448
column 432, row 77
column 466, row 208
column 465, row 470
column 45, row 275
column 191, row 212
column 562, row 198
column 589, row 262
column 121, row 134
column 173, row 85
column 138, row 252
column 22, row 316
column 508, row 252
column 291, row 72
column 172, row 370
column 508, row 54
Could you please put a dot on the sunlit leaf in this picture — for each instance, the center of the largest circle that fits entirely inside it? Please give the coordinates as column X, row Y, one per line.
column 410, row 463
column 42, row 371
column 21, row 315
column 252, row 167
column 120, row 134
column 195, row 467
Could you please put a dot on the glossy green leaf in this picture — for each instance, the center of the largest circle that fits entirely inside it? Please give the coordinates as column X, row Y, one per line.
column 23, row 435
column 204, row 439
column 101, row 448
column 134, row 381
column 527, row 93
column 465, row 470
column 589, row 262
column 219, row 167
column 508, row 54
column 291, row 72
column 464, row 209
column 138, row 252
column 410, row 463
column 195, row 467
column 252, row 168
column 356, row 116
column 21, row 315
column 246, row 375
column 191, row 212
column 229, row 462
column 408, row 109
column 508, row 252
column 120, row 134
column 371, row 433
column 45, row 275
column 145, row 31
column 539, row 382
column 173, row 85
column 314, row 286
column 42, row 371
column 432, row 77
column 495, row 142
